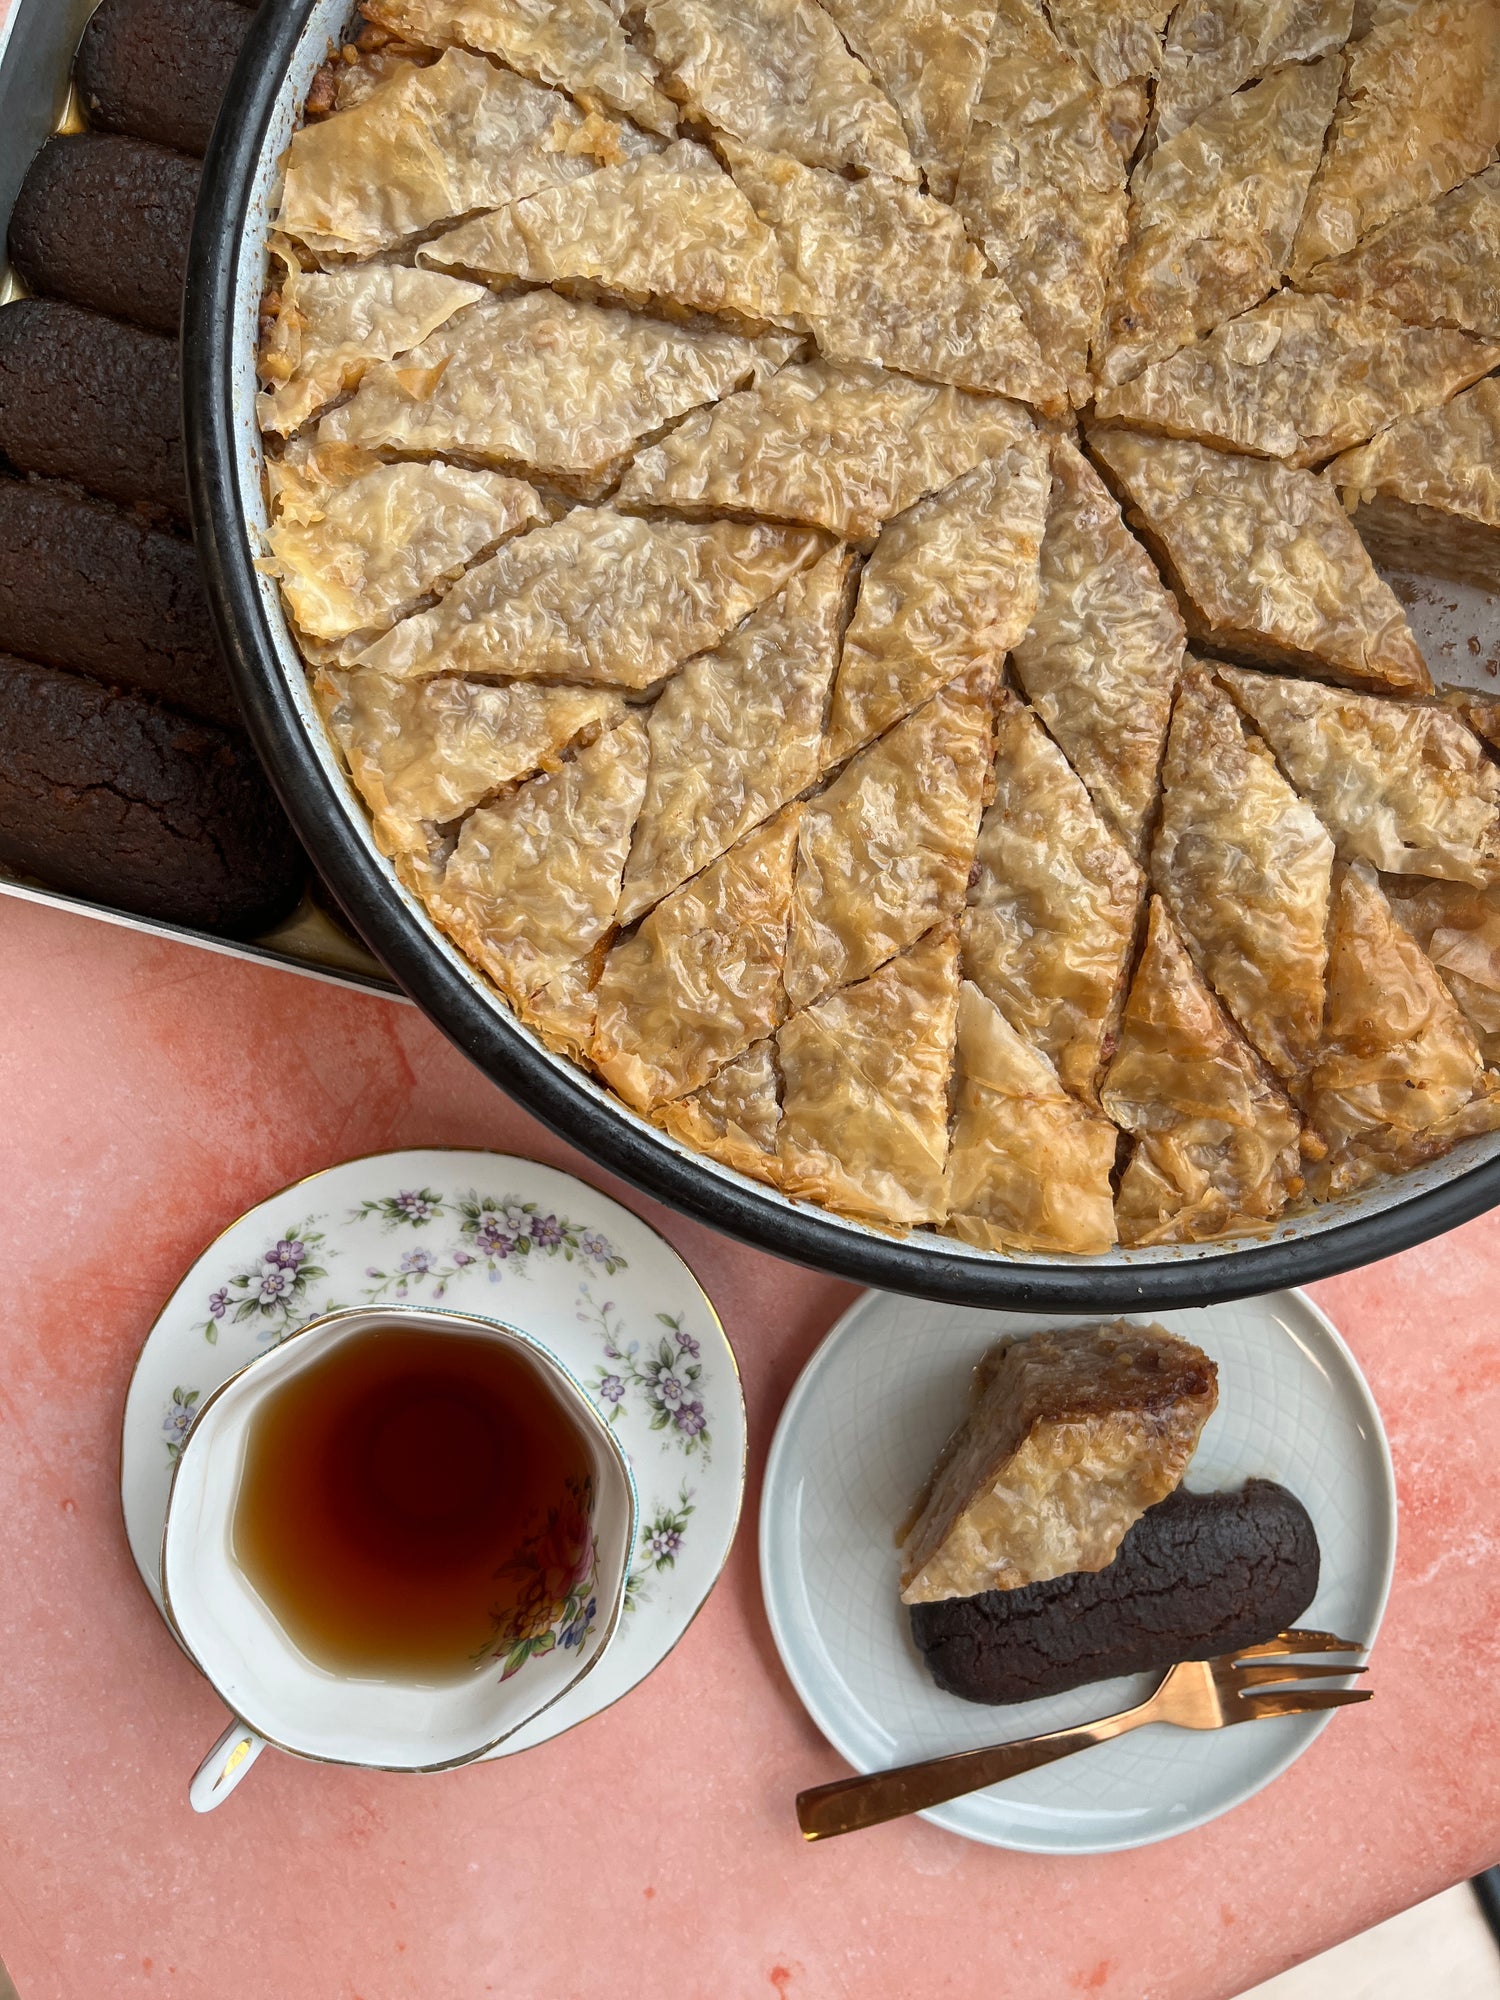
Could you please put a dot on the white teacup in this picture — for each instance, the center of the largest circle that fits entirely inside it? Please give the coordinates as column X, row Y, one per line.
column 281, row 1697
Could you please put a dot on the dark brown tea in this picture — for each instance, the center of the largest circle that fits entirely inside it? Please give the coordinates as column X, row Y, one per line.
column 415, row 1505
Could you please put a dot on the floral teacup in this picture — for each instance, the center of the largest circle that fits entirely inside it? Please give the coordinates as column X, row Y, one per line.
column 280, row 1696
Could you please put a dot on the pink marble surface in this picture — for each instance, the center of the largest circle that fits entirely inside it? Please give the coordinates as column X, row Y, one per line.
column 150, row 1093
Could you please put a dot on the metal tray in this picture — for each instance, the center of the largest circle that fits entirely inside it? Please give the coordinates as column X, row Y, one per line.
column 37, row 42
column 225, row 473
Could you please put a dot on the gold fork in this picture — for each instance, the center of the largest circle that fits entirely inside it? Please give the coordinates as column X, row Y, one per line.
column 1196, row 1694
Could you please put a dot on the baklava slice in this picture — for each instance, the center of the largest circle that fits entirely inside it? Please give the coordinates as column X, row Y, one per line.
column 1215, row 1140
column 1425, row 494
column 1101, row 656
column 1405, row 786
column 1300, row 379
column 928, row 57
column 1246, row 868
column 1437, row 266
column 1458, row 926
column 734, row 1117
column 1263, row 561
column 952, row 585
column 1053, row 905
column 1215, row 47
column 1120, row 40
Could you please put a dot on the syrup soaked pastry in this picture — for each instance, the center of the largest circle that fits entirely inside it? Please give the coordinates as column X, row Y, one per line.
column 841, row 448
column 1030, row 1167
column 547, row 385
column 1246, row 869
column 1214, row 214
column 952, row 585
column 1420, row 112
column 1480, row 711
column 424, row 753
column 576, row 45
column 669, row 231
column 1300, row 379
column 776, row 74
column 1216, row 1142
column 1263, row 561
column 700, row 980
column 928, row 56
column 1071, row 1434
column 331, row 326
column 532, row 885
column 1102, row 654
column 598, row 597
column 1458, row 927
column 1043, row 186
column 864, row 1108
column 888, row 275
column 1053, row 905
column 1120, row 40
column 1404, row 786
column 430, row 144
column 886, row 850
column 1400, row 1078
column 1214, row 47
column 1425, row 494
column 355, row 553
column 1437, row 266
column 733, row 1118
column 738, row 732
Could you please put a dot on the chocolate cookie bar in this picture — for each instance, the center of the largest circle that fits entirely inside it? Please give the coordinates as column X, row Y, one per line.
column 158, row 68
column 1198, row 1575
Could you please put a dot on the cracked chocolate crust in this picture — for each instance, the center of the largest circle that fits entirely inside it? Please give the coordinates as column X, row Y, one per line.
column 158, row 68
column 1198, row 1575
column 106, row 795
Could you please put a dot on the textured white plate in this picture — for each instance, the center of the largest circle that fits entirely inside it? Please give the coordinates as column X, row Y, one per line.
column 859, row 1435
column 505, row 1238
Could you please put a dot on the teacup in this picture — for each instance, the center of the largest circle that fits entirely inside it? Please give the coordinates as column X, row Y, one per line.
column 281, row 1696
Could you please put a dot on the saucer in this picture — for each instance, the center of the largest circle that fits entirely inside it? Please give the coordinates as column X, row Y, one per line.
column 505, row 1238
column 858, row 1438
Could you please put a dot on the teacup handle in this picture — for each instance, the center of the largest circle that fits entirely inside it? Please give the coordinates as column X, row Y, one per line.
column 224, row 1766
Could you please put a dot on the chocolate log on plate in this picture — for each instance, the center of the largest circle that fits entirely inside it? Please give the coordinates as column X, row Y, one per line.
column 158, row 68
column 85, row 586
column 87, row 398
column 108, row 796
column 105, row 221
column 1198, row 1575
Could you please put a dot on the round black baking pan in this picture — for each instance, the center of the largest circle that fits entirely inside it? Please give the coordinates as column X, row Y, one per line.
column 548, row 1086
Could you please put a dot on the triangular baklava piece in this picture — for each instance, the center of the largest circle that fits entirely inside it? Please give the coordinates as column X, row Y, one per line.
column 776, row 74
column 1263, row 561
column 864, row 1109
column 841, row 448
column 1246, row 869
column 1215, row 47
column 1120, row 40
column 1216, row 1142
column 1404, row 786
column 700, row 979
column 886, row 850
column 1030, row 1166
column 952, row 584
column 546, row 385
column 1213, row 216
column 1102, row 654
column 1400, row 1078
column 734, row 1117
column 1419, row 112
column 1043, row 186
column 928, row 57
column 888, row 275
column 1437, row 266
column 598, row 597
column 1458, row 927
column 1053, row 904
column 738, row 732
column 1300, row 379
column 578, row 45
column 1425, row 494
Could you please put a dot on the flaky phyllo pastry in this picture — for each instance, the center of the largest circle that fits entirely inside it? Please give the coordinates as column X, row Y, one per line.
column 744, row 477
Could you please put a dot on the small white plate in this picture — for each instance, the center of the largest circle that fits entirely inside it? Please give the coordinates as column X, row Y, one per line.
column 859, row 1435
column 502, row 1237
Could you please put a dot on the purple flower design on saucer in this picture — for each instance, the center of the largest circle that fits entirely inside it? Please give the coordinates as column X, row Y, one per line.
column 273, row 1291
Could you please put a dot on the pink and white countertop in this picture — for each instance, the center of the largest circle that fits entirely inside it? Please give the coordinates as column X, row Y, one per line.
column 150, row 1092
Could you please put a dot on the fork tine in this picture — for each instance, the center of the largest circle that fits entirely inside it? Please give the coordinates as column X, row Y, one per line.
column 1255, row 1707
column 1290, row 1670
column 1299, row 1640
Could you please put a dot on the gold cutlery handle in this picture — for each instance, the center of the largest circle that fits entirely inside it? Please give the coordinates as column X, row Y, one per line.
column 868, row 1798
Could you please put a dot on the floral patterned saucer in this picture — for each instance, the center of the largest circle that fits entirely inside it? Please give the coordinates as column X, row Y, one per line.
column 491, row 1234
